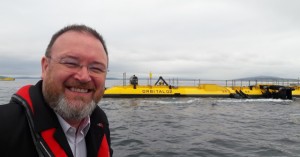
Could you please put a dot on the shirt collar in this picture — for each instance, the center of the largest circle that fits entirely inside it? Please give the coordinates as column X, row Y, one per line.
column 84, row 125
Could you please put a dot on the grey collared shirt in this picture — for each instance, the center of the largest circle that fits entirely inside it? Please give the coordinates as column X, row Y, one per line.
column 76, row 137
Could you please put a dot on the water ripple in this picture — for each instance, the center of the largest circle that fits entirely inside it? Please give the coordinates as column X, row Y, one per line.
column 210, row 127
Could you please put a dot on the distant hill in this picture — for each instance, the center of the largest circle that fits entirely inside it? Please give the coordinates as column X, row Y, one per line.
column 27, row 77
column 264, row 78
column 113, row 78
column 255, row 78
column 3, row 77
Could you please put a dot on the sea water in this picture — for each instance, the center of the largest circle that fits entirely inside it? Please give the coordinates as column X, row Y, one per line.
column 208, row 127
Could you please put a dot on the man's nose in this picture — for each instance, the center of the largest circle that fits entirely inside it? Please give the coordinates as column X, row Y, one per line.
column 83, row 74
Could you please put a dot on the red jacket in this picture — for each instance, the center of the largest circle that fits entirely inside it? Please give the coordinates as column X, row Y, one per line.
column 29, row 127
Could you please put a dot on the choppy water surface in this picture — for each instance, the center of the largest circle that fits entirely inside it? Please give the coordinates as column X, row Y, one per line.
column 204, row 127
column 209, row 127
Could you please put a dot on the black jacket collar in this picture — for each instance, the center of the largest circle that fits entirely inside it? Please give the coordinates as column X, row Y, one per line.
column 45, row 118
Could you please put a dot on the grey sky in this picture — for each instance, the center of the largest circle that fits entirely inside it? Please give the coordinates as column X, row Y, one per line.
column 203, row 39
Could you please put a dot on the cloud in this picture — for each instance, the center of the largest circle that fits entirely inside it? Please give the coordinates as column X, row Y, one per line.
column 199, row 39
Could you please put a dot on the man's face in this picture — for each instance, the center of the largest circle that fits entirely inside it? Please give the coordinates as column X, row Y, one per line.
column 78, row 87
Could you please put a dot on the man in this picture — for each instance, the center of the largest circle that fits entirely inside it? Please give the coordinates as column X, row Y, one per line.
column 59, row 116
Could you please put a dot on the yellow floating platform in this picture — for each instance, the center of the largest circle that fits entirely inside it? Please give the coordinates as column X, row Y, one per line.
column 162, row 89
column 204, row 90
column 7, row 79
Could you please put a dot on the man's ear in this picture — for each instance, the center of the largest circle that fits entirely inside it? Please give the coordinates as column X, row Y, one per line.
column 45, row 65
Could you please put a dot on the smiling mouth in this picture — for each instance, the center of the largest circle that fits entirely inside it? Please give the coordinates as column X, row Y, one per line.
column 77, row 87
column 79, row 90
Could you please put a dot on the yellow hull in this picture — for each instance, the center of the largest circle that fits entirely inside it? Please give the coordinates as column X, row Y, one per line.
column 296, row 92
column 259, row 91
column 204, row 90
column 7, row 79
column 253, row 91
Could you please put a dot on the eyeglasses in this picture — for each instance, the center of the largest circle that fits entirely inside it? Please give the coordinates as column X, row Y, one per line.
column 72, row 65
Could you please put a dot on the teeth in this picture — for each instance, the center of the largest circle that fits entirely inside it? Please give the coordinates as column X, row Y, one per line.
column 79, row 90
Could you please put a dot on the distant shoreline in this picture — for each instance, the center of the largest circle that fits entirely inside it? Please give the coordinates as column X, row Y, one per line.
column 258, row 78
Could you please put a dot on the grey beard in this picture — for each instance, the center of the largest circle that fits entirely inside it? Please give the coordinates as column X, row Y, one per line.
column 69, row 112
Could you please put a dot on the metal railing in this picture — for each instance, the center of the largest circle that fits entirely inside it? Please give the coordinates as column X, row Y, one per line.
column 196, row 82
